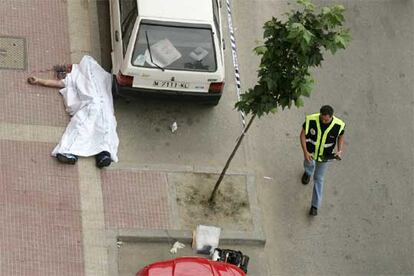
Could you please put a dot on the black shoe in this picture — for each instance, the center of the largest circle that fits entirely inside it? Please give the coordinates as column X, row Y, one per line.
column 305, row 178
column 313, row 211
column 67, row 158
column 103, row 159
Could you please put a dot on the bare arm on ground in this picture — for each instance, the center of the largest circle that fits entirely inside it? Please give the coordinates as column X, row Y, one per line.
column 47, row 83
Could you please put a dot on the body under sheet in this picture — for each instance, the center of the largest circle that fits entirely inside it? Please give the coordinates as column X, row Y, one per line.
column 88, row 99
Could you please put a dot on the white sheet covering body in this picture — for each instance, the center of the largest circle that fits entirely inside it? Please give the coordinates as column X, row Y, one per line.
column 88, row 99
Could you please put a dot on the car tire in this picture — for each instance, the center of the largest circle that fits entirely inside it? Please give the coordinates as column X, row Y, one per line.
column 212, row 102
column 244, row 263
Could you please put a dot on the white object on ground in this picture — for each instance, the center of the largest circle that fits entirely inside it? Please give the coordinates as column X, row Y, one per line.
column 88, row 99
column 177, row 245
column 267, row 177
column 174, row 127
column 119, row 244
column 206, row 239
column 216, row 256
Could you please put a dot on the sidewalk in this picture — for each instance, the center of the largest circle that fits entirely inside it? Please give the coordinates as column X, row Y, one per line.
column 52, row 215
column 40, row 214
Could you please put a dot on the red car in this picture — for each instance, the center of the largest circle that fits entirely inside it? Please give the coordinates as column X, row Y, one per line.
column 190, row 266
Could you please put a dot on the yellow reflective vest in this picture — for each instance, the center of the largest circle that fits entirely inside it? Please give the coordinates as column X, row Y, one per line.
column 318, row 143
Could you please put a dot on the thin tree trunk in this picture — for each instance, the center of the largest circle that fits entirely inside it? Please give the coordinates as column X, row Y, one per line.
column 223, row 172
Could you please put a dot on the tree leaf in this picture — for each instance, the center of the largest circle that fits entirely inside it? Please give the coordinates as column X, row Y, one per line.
column 339, row 41
column 284, row 102
column 306, row 88
column 331, row 46
column 299, row 102
column 308, row 5
column 346, row 37
column 332, row 17
column 295, row 30
column 260, row 50
column 326, row 10
column 307, row 36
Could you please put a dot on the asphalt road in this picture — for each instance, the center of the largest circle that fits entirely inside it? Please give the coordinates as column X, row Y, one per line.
column 365, row 226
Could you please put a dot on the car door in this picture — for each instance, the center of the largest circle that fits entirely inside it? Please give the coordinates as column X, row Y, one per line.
column 116, row 54
column 124, row 14
column 217, row 24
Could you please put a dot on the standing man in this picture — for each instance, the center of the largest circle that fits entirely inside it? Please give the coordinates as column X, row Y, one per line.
column 320, row 133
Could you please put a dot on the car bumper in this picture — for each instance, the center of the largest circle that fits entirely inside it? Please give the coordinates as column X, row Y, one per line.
column 119, row 90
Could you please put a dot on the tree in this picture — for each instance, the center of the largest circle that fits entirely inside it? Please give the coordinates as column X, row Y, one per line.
column 289, row 50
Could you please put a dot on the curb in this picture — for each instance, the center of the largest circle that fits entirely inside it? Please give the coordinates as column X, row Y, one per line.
column 82, row 15
column 176, row 168
column 186, row 236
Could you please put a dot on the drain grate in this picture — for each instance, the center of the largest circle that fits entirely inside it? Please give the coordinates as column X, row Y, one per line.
column 12, row 53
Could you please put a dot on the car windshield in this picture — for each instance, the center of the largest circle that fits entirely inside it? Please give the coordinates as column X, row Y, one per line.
column 178, row 47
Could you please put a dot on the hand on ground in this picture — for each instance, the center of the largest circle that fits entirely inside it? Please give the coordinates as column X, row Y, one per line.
column 32, row 80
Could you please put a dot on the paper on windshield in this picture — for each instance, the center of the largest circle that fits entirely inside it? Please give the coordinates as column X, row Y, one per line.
column 139, row 60
column 163, row 53
column 198, row 53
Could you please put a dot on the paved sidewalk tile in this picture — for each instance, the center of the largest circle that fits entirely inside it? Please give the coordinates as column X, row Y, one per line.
column 40, row 217
column 43, row 24
column 135, row 199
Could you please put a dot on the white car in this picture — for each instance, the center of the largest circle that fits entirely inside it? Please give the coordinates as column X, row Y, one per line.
column 170, row 47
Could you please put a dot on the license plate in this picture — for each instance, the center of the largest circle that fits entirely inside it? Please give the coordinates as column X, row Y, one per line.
column 171, row 84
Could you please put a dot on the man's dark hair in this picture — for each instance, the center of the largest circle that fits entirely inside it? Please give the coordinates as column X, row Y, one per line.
column 327, row 110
